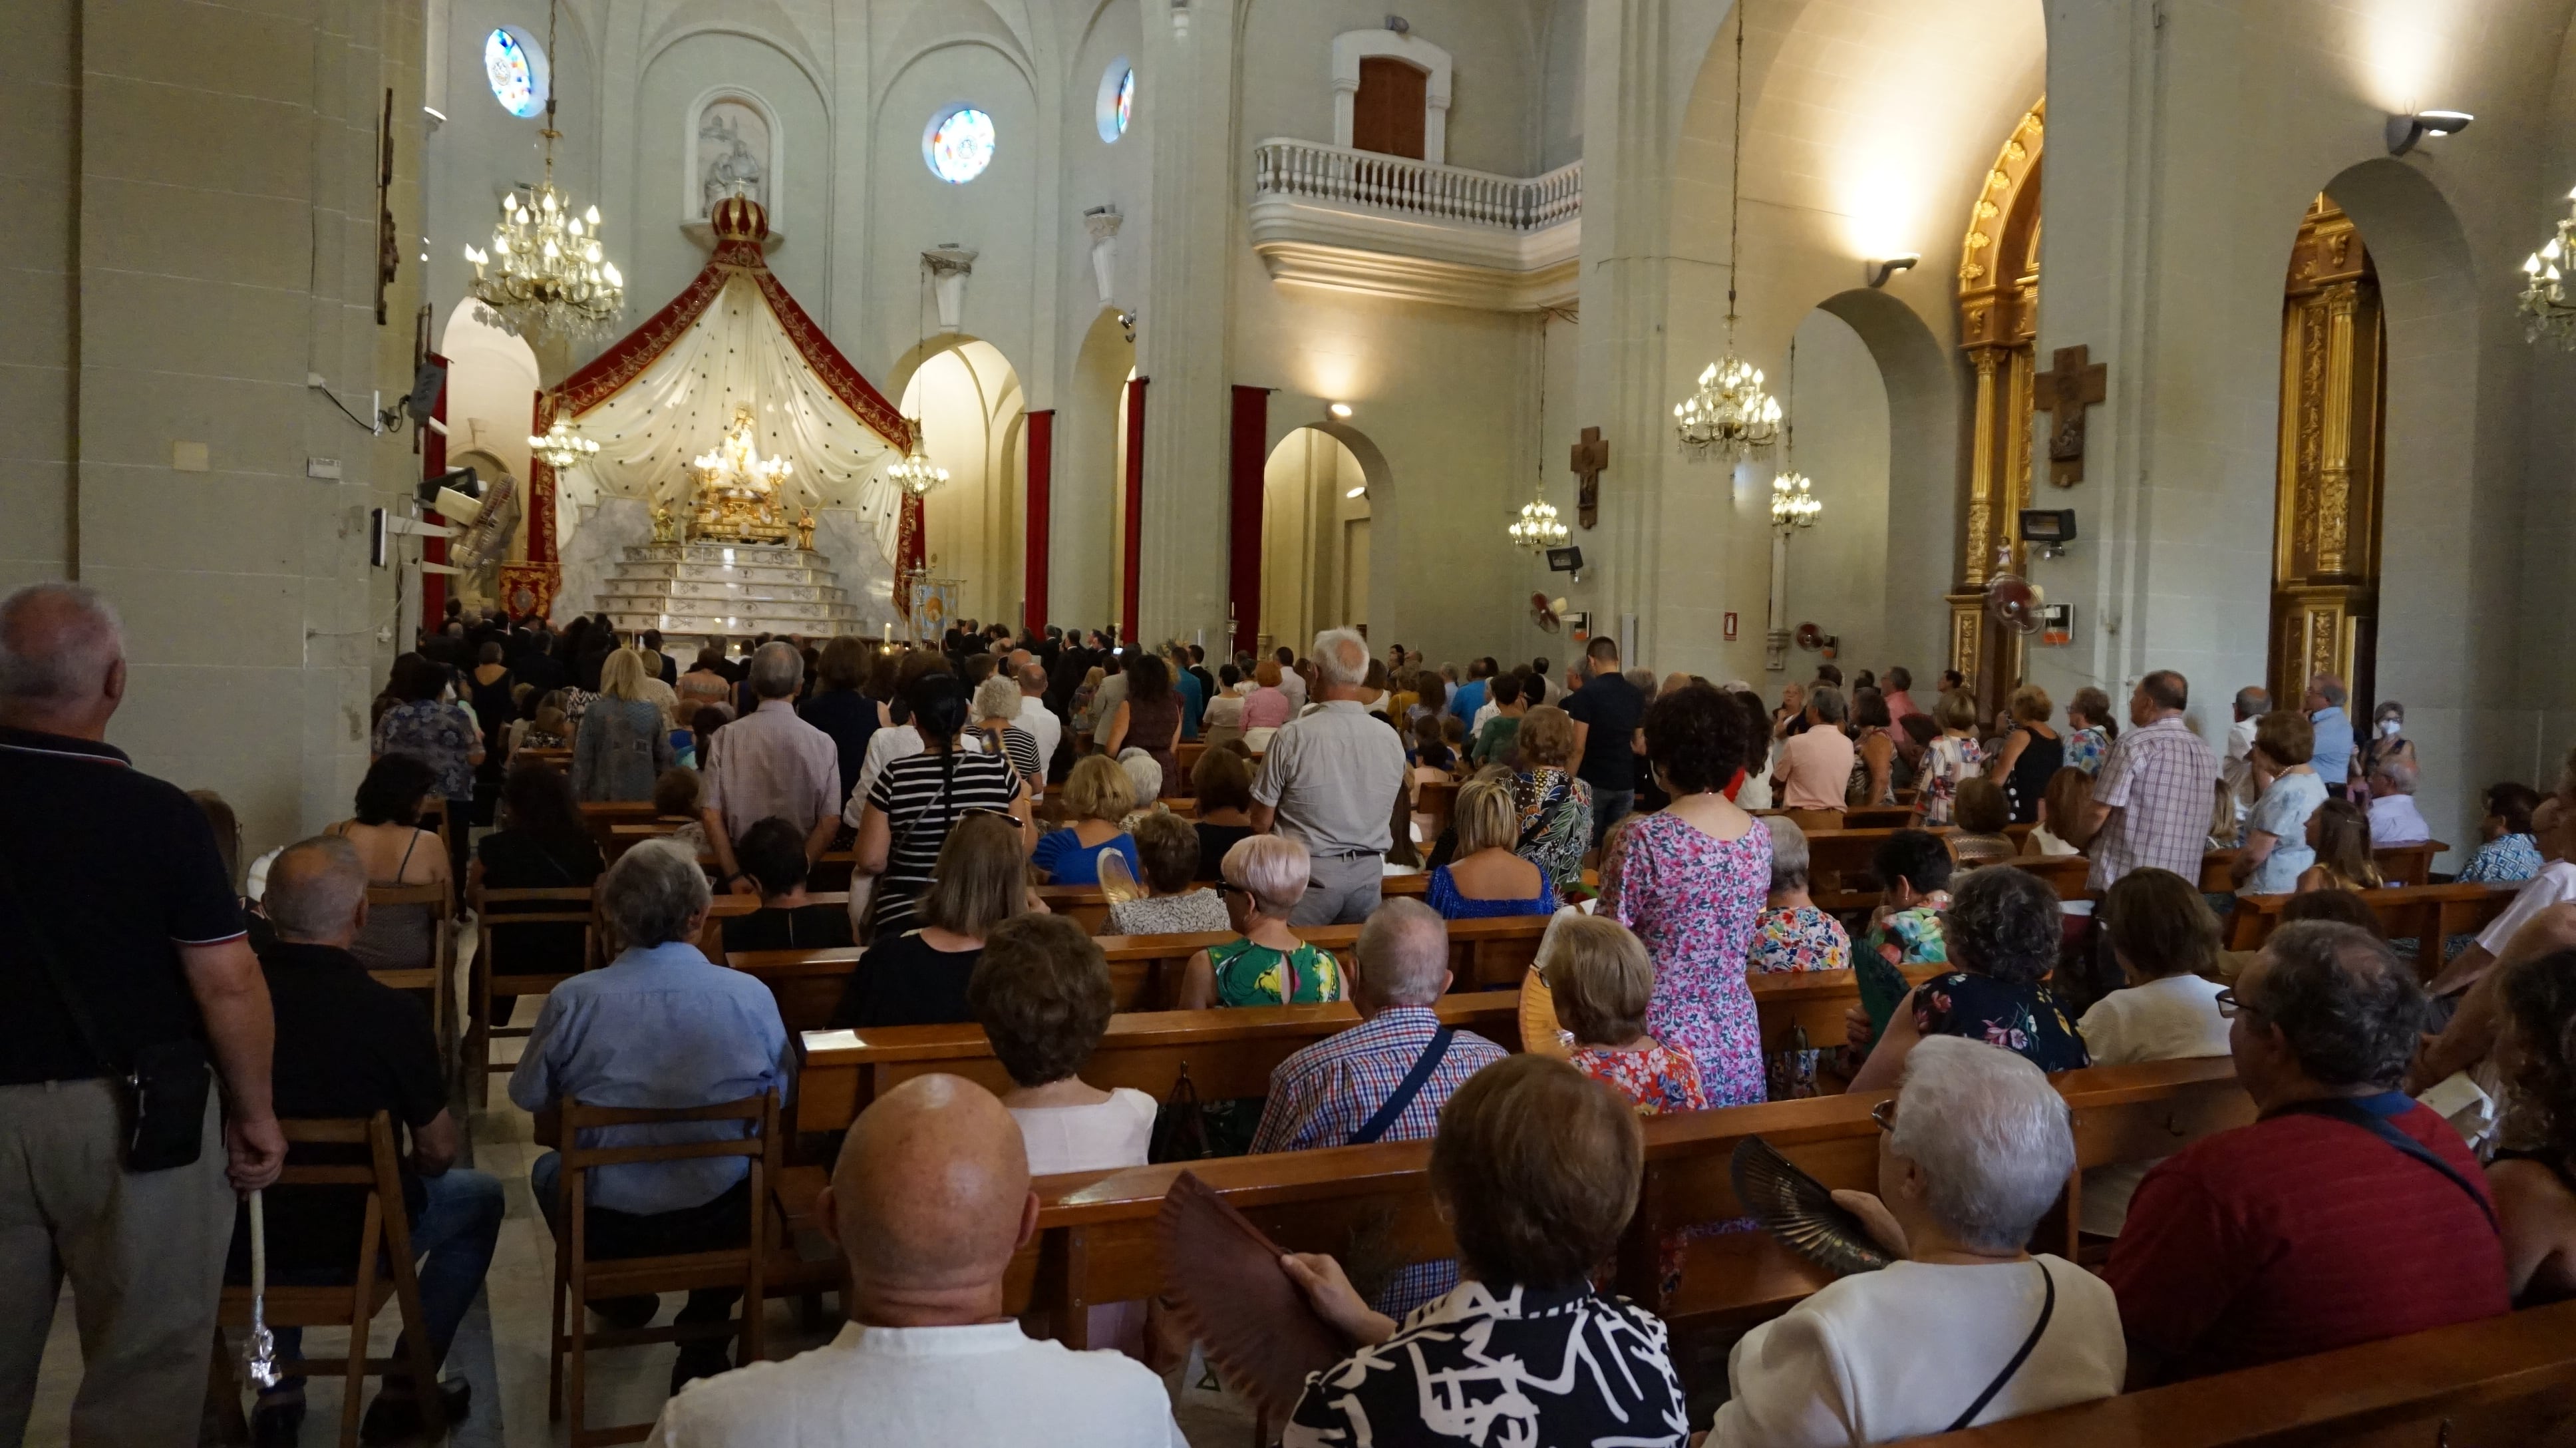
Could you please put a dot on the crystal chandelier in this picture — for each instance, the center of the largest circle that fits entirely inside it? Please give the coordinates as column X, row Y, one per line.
column 563, row 445
column 1730, row 416
column 2548, row 312
column 1792, row 505
column 545, row 274
column 1538, row 526
column 916, row 474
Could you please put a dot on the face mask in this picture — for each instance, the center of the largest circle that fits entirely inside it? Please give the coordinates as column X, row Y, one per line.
column 448, row 694
column 2390, row 727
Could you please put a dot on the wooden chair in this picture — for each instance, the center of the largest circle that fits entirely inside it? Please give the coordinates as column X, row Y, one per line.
column 384, row 1272
column 569, row 907
column 579, row 1281
column 734, row 907
column 438, row 976
column 807, row 984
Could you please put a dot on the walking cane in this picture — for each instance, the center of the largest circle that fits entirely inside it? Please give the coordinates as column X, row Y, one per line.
column 259, row 1353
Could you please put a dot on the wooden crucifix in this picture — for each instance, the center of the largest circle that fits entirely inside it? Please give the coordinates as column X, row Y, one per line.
column 2063, row 393
column 1591, row 455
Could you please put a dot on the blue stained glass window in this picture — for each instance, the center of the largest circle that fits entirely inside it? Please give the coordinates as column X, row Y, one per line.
column 1126, row 100
column 516, row 67
column 960, row 145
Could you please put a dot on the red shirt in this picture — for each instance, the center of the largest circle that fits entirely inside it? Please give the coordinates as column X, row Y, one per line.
column 2299, row 1235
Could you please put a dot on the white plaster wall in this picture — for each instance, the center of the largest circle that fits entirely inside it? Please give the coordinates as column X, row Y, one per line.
column 1494, row 77
column 40, row 74
column 915, row 211
column 1838, row 565
column 665, row 257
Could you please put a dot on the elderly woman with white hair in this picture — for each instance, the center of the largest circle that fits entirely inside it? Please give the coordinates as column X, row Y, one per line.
column 1270, row 965
column 997, row 711
column 1793, row 934
column 1967, row 1328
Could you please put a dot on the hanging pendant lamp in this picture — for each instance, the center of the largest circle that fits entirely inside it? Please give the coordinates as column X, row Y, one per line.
column 1728, row 415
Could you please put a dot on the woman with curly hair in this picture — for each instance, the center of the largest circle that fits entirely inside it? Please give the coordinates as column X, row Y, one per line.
column 2002, row 933
column 1691, row 880
column 2535, row 1186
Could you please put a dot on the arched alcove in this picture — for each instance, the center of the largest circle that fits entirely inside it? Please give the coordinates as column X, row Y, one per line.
column 967, row 398
column 1317, row 538
column 492, row 384
column 1924, row 403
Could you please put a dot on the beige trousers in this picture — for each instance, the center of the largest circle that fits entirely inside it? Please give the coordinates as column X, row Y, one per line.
column 145, row 1254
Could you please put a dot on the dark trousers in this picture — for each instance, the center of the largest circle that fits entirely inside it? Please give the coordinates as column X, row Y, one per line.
column 723, row 1221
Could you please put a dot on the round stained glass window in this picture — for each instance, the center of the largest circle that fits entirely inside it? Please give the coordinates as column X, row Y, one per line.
column 1117, row 100
column 959, row 145
column 516, row 66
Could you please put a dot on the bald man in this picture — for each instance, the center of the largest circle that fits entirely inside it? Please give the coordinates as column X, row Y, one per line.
column 929, row 1201
column 124, row 937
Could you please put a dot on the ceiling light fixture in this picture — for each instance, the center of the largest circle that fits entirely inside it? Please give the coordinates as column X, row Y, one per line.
column 548, row 275
column 1729, row 414
column 2548, row 312
column 2405, row 131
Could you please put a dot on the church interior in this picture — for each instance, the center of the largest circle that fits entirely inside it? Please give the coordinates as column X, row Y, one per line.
column 2060, row 345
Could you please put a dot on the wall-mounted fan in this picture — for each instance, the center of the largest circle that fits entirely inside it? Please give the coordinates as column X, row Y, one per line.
column 1811, row 637
column 1548, row 614
column 2015, row 602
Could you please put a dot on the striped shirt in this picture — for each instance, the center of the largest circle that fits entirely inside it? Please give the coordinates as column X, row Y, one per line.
column 1020, row 747
column 922, row 797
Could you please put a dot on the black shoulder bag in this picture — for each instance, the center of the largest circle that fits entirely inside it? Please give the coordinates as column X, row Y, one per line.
column 2039, row 1329
column 1406, row 1089
column 165, row 1087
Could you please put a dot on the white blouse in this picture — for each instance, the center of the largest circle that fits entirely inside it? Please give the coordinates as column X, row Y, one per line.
column 1111, row 1133
column 2171, row 1019
column 1904, row 1350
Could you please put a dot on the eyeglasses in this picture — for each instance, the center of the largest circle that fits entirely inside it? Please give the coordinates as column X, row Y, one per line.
column 1884, row 1113
column 2228, row 1004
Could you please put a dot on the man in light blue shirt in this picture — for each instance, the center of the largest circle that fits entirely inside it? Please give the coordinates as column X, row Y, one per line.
column 2333, row 759
column 1192, row 705
column 659, row 1028
column 1469, row 697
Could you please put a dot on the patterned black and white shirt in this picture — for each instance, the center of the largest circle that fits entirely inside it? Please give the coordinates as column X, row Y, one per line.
column 1561, row 1369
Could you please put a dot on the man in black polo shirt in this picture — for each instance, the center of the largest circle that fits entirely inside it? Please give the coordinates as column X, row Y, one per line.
column 347, row 1047
column 114, row 875
column 1606, row 713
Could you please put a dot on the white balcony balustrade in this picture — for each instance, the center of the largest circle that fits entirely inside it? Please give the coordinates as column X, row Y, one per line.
column 1389, row 226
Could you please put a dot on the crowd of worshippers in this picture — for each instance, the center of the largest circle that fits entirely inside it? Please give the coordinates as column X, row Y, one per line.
column 1620, row 805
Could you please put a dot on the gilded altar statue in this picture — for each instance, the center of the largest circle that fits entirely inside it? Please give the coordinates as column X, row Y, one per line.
column 666, row 529
column 738, row 489
column 805, row 529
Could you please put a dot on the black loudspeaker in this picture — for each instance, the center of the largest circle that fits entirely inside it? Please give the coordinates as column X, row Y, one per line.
column 425, row 386
column 463, row 480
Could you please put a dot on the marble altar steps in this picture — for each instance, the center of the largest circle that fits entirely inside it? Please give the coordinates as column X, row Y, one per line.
column 726, row 588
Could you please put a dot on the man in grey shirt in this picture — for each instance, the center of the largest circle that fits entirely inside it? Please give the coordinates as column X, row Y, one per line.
column 1330, row 781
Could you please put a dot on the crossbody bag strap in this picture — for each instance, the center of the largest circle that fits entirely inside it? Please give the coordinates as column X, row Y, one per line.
column 2344, row 1109
column 2039, row 1329
column 1406, row 1089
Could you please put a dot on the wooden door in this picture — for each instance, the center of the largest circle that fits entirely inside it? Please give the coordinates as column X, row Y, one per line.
column 1387, row 114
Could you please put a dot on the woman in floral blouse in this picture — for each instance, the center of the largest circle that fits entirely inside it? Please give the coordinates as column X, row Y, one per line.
column 2003, row 934
column 1954, row 756
column 1555, row 807
column 2511, row 851
column 428, row 724
column 1793, row 934
column 2090, row 728
column 1601, row 981
column 1913, row 869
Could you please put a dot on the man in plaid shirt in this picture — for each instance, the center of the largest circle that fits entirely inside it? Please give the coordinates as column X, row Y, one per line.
column 1325, row 1093
column 2156, row 791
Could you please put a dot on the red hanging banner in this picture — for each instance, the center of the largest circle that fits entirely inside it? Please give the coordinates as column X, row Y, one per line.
column 1249, row 455
column 1135, row 540
column 1037, row 535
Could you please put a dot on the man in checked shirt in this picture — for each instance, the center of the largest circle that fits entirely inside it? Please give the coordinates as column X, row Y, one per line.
column 1386, row 1078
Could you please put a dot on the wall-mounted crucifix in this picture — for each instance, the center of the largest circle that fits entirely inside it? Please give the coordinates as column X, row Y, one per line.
column 2063, row 393
column 1591, row 455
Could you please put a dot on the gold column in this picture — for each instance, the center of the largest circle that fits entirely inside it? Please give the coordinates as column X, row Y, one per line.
column 2325, row 587
column 1981, row 473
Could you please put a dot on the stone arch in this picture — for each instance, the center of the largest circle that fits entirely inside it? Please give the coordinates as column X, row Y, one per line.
column 968, row 399
column 1924, row 411
column 1320, row 548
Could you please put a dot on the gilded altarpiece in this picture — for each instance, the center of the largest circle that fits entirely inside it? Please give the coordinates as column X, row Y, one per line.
column 1998, row 324
column 2334, row 389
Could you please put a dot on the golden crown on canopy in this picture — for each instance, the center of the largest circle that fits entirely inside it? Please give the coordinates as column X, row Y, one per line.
column 739, row 218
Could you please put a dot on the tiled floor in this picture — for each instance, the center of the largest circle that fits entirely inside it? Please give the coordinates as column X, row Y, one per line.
column 502, row 1348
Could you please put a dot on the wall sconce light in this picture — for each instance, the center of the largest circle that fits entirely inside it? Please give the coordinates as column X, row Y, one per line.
column 1879, row 271
column 1359, row 492
column 1340, row 410
column 2405, row 131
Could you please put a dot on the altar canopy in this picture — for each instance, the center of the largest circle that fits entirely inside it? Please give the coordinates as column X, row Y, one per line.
column 669, row 390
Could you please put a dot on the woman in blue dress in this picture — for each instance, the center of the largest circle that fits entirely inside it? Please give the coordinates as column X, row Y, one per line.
column 1486, row 878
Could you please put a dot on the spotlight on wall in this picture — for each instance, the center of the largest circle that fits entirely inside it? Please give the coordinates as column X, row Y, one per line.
column 2405, row 131
column 1340, row 410
column 1879, row 271
column 1359, row 492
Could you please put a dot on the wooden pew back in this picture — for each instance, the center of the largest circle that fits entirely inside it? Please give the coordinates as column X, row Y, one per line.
column 2428, row 914
column 1087, row 907
column 2503, row 1380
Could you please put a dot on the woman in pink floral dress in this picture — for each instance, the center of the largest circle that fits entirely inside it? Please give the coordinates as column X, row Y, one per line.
column 1691, row 880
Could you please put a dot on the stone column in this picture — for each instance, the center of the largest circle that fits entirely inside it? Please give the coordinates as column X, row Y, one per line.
column 224, row 235
column 1184, row 339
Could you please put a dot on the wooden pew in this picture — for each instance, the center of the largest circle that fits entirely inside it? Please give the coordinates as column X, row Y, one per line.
column 1096, row 1238
column 2066, row 874
column 1087, row 907
column 2502, row 1380
column 2429, row 914
column 1839, row 860
column 728, row 906
column 1813, row 1000
column 1229, row 1052
column 2398, row 865
column 1436, row 799
column 1734, row 1279
column 1873, row 817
